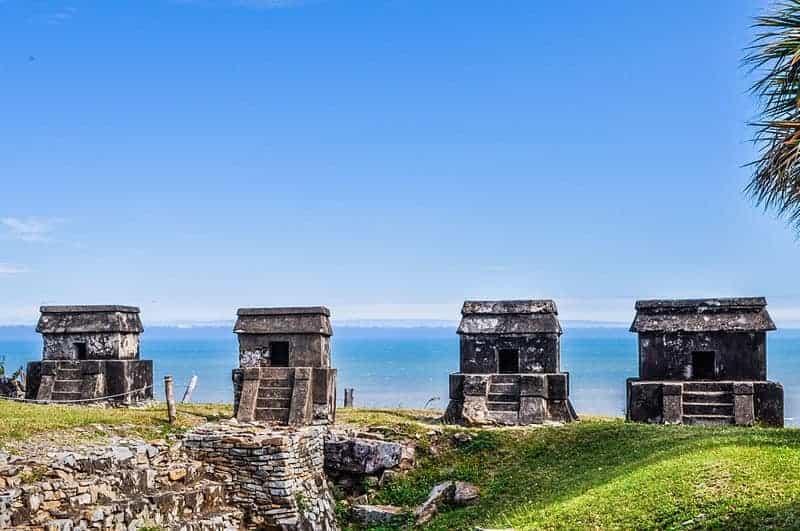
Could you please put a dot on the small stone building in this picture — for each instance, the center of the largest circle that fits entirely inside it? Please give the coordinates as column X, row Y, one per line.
column 285, row 373
column 510, row 367
column 703, row 361
column 90, row 352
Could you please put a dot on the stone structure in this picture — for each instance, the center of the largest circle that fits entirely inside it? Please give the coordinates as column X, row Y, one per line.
column 285, row 372
column 510, row 365
column 275, row 475
column 118, row 485
column 703, row 362
column 90, row 352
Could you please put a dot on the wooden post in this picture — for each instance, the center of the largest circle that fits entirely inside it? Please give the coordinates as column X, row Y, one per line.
column 187, row 395
column 170, row 399
column 348, row 397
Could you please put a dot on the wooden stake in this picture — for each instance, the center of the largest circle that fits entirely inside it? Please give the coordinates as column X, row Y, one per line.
column 170, row 399
column 348, row 397
column 187, row 395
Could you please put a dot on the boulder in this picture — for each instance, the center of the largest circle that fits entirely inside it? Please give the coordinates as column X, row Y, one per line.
column 376, row 515
column 361, row 456
column 441, row 493
column 465, row 493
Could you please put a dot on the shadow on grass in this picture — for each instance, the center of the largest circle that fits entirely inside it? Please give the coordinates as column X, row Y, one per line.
column 539, row 467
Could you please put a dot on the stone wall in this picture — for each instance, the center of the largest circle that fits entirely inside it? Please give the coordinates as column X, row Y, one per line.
column 99, row 346
column 275, row 475
column 120, row 486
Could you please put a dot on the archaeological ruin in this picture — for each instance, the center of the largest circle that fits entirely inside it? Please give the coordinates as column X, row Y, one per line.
column 703, row 361
column 90, row 354
column 510, row 365
column 284, row 373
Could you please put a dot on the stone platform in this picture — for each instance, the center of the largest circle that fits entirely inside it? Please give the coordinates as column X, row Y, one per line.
column 705, row 402
column 126, row 381
column 509, row 399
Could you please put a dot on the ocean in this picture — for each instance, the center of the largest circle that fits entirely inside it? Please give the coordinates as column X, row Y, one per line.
column 409, row 367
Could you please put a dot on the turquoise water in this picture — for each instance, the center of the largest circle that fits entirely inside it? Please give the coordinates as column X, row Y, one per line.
column 392, row 367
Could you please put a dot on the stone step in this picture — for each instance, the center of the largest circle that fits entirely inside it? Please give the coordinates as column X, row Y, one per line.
column 505, row 379
column 274, row 392
column 504, row 389
column 273, row 403
column 502, row 397
column 707, row 408
column 66, row 386
column 68, row 365
column 272, row 414
column 62, row 396
column 68, row 374
column 504, row 417
column 503, row 406
column 718, row 397
column 692, row 387
column 708, row 420
column 274, row 382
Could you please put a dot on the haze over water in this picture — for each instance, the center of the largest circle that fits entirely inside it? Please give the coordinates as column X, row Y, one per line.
column 409, row 367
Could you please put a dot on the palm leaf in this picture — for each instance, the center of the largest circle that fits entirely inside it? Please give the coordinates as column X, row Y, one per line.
column 774, row 57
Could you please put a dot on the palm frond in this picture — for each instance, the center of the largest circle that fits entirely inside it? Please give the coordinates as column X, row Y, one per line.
column 774, row 57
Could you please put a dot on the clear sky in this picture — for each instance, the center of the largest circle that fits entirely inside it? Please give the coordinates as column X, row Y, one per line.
column 387, row 158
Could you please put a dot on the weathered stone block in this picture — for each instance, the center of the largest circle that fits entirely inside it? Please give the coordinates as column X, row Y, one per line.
column 532, row 409
column 476, row 385
column 557, row 386
column 534, row 385
column 644, row 401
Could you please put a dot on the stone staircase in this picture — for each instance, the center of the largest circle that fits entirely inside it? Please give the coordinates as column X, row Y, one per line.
column 67, row 384
column 708, row 403
column 274, row 399
column 503, row 403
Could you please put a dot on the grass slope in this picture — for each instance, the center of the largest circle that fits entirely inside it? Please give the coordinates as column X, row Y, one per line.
column 610, row 474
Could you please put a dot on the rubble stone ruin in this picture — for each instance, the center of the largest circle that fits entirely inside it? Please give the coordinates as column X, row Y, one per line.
column 703, row 362
column 510, row 370
column 90, row 352
column 285, row 373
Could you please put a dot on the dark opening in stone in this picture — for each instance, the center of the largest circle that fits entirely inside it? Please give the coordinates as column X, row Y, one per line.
column 508, row 361
column 703, row 365
column 279, row 353
column 80, row 351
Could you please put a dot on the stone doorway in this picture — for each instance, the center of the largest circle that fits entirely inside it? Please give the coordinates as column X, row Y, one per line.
column 508, row 361
column 279, row 353
column 703, row 365
column 80, row 351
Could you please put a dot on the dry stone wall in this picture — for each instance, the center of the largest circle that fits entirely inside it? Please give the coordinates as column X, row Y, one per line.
column 117, row 487
column 274, row 474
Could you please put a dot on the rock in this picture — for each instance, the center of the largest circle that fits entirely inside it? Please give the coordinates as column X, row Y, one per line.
column 177, row 474
column 462, row 437
column 361, row 456
column 375, row 515
column 465, row 493
column 441, row 493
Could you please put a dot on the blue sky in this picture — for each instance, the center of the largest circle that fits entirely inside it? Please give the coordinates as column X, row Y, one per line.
column 387, row 158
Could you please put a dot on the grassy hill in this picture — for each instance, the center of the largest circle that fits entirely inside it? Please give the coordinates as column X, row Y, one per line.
column 598, row 473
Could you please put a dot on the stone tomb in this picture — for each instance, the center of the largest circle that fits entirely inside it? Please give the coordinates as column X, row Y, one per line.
column 90, row 352
column 703, row 361
column 510, row 367
column 285, row 373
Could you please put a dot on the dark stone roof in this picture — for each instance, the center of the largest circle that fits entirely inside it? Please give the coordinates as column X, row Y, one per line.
column 89, row 319
column 509, row 317
column 742, row 314
column 303, row 310
column 306, row 320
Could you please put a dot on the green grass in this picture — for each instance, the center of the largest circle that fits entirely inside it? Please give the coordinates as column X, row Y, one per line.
column 609, row 474
column 19, row 421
